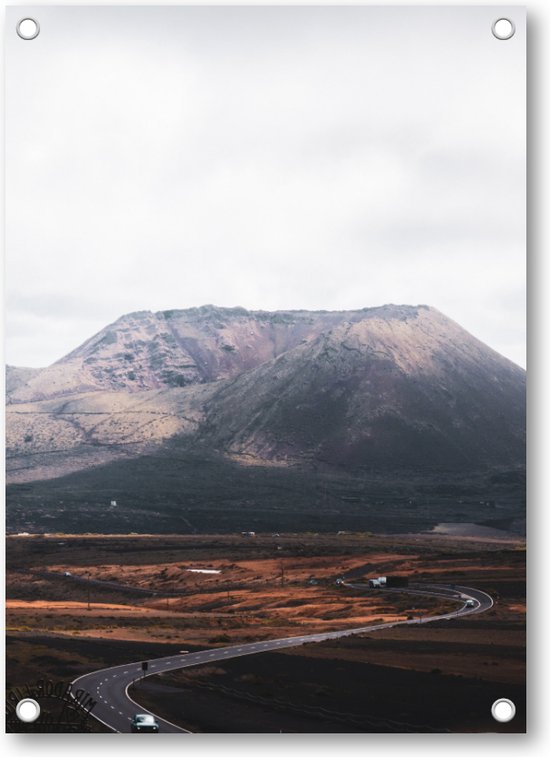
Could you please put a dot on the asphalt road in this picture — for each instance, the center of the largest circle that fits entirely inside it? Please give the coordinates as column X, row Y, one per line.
column 109, row 687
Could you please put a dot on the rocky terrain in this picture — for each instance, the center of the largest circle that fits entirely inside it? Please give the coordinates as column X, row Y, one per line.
column 395, row 392
column 400, row 388
column 173, row 348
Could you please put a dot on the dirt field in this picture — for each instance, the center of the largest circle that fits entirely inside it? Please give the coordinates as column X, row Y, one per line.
column 63, row 621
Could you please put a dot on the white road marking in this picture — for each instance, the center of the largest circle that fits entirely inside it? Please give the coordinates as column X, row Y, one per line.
column 197, row 658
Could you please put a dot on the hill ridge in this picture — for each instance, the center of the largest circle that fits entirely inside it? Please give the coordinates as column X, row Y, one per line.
column 389, row 388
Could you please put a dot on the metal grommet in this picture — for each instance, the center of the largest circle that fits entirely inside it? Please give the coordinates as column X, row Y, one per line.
column 503, row 710
column 28, row 710
column 28, row 28
column 503, row 28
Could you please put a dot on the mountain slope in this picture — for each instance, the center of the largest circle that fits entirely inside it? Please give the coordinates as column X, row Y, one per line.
column 173, row 348
column 401, row 388
column 65, row 434
column 395, row 389
column 17, row 377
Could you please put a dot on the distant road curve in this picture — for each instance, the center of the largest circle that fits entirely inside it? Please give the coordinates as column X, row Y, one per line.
column 109, row 687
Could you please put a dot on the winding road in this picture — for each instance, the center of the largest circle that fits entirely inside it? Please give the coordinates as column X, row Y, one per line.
column 109, row 687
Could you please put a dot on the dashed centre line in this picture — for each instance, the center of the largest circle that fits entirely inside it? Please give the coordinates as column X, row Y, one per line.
column 198, row 658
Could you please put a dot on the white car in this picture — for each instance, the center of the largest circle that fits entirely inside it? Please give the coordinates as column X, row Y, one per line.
column 142, row 723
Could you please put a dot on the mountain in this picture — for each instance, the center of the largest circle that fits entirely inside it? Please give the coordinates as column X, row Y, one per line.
column 245, row 411
column 400, row 388
column 16, row 377
column 173, row 348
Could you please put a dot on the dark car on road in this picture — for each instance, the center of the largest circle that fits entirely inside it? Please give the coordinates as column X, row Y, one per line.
column 142, row 723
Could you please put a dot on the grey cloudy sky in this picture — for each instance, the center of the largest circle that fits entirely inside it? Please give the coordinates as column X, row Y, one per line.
column 320, row 158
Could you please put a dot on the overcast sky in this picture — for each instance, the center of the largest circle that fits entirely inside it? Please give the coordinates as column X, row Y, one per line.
column 313, row 158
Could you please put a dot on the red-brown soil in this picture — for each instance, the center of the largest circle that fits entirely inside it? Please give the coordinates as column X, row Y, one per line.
column 265, row 592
